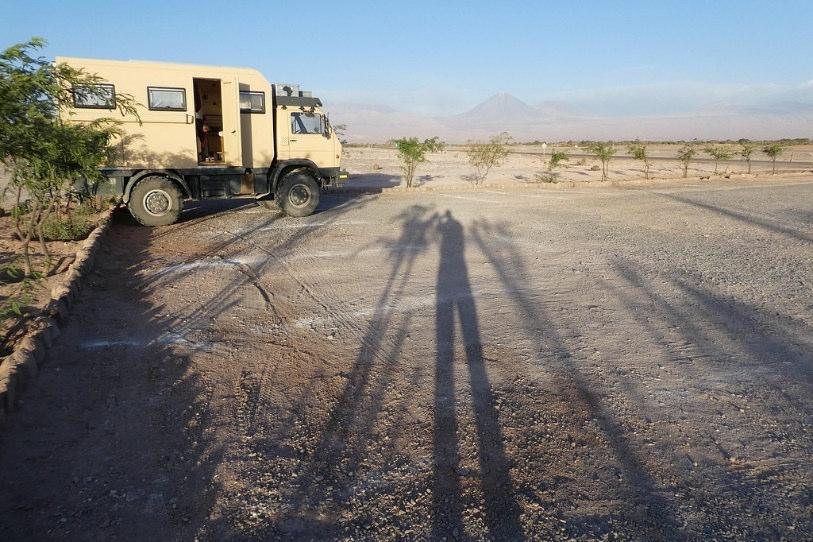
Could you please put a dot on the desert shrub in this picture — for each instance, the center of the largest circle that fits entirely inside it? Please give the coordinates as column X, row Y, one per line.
column 70, row 228
column 581, row 162
column 556, row 158
column 773, row 151
column 546, row 177
column 412, row 151
column 746, row 150
column 685, row 155
column 603, row 151
column 638, row 152
column 595, row 168
column 718, row 152
column 484, row 156
column 12, row 305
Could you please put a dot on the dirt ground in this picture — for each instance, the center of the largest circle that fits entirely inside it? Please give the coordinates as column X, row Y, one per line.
column 379, row 166
column 612, row 363
column 34, row 300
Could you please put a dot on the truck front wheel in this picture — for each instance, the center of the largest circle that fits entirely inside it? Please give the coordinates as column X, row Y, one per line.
column 298, row 194
column 155, row 201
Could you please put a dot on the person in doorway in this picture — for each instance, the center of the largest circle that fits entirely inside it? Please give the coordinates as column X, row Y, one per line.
column 201, row 129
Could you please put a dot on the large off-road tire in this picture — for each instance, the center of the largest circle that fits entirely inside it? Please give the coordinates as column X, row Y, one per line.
column 155, row 201
column 298, row 194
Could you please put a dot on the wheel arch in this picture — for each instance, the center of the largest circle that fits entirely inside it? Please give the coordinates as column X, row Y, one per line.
column 173, row 176
column 287, row 166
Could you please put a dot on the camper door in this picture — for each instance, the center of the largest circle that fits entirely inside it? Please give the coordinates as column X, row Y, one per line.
column 232, row 143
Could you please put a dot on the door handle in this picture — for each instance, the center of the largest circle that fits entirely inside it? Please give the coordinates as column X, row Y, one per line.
column 292, row 141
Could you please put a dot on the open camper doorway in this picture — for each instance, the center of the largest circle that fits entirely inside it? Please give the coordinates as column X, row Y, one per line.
column 208, row 121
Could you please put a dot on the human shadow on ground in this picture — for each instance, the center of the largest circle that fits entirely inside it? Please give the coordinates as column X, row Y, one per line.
column 337, row 466
column 455, row 305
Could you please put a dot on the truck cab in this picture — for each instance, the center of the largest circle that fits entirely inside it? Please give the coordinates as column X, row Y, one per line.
column 208, row 132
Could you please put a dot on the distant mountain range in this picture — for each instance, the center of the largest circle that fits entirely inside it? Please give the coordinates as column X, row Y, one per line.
column 556, row 120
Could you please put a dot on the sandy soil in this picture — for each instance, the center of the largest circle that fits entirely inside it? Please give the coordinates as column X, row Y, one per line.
column 379, row 166
column 592, row 364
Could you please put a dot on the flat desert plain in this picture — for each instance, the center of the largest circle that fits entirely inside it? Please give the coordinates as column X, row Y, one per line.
column 378, row 166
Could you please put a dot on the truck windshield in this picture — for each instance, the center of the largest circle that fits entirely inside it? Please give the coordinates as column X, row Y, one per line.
column 307, row 123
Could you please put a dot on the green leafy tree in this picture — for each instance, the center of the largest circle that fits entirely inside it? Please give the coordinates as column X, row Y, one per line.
column 603, row 151
column 556, row 158
column 39, row 146
column 773, row 150
column 638, row 151
column 685, row 155
column 746, row 150
column 485, row 156
column 412, row 151
column 718, row 152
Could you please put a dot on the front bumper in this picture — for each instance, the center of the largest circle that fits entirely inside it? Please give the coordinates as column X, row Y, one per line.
column 333, row 175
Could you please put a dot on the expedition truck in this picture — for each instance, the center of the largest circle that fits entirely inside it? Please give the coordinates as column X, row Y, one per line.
column 208, row 132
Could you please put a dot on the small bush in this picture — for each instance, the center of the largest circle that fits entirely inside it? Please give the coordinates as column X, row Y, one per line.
column 485, row 156
column 595, row 168
column 412, row 151
column 548, row 177
column 581, row 162
column 71, row 228
column 556, row 158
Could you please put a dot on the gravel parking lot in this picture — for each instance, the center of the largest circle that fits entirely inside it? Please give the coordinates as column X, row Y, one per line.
column 631, row 363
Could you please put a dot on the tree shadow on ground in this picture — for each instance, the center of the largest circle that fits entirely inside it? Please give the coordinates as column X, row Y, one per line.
column 642, row 491
column 110, row 439
column 728, row 348
column 344, row 437
column 333, row 473
column 371, row 181
column 763, row 223
column 115, row 437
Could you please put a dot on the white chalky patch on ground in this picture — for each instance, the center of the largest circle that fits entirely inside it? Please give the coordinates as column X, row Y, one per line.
column 171, row 339
column 177, row 339
column 320, row 254
column 208, row 263
column 107, row 343
column 298, row 225
column 409, row 304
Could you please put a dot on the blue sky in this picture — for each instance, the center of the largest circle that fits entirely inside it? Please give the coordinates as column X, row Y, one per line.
column 444, row 57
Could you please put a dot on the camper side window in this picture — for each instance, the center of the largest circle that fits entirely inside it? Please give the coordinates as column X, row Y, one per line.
column 307, row 123
column 166, row 99
column 101, row 96
column 252, row 102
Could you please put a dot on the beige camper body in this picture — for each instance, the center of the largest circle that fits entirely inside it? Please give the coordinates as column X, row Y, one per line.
column 210, row 131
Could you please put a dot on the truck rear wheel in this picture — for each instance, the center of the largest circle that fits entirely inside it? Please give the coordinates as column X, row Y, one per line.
column 155, row 201
column 298, row 194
